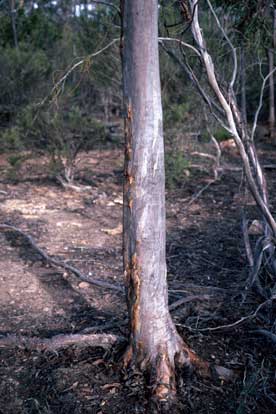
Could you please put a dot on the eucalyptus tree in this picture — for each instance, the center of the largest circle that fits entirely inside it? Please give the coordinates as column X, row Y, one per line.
column 222, row 101
column 155, row 345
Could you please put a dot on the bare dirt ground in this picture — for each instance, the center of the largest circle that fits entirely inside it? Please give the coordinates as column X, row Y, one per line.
column 205, row 257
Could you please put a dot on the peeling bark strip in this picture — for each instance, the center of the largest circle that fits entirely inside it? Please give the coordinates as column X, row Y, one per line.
column 154, row 342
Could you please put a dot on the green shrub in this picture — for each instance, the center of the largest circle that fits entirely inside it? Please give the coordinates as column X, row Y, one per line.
column 175, row 114
column 22, row 73
column 16, row 161
column 220, row 134
column 10, row 140
column 60, row 132
column 177, row 169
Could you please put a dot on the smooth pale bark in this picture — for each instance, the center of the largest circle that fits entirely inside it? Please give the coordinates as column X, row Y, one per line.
column 271, row 94
column 271, row 65
column 243, row 87
column 154, row 341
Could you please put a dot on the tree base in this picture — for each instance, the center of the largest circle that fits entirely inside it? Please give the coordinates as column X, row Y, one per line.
column 160, row 367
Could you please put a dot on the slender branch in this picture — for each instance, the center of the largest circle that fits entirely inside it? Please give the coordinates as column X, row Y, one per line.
column 204, row 155
column 209, row 101
column 217, row 147
column 62, row 80
column 235, row 68
column 59, row 263
column 230, row 115
column 184, row 301
column 198, row 194
column 269, row 335
column 172, row 39
column 231, row 325
column 260, row 103
column 105, row 3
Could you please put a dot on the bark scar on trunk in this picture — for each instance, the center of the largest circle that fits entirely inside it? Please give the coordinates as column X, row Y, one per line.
column 134, row 290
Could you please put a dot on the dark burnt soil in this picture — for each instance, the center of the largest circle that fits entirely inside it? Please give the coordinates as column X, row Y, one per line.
column 205, row 254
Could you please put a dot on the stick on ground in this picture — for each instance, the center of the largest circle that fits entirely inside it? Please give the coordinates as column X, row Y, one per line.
column 105, row 341
column 61, row 264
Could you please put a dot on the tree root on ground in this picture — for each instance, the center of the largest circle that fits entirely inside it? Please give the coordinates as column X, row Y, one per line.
column 159, row 369
column 105, row 341
column 59, row 263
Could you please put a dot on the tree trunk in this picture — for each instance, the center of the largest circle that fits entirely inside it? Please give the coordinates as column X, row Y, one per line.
column 243, row 86
column 271, row 61
column 13, row 21
column 154, row 342
column 271, row 94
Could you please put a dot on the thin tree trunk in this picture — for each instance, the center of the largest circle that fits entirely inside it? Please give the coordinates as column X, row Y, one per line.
column 154, row 341
column 271, row 94
column 13, row 21
column 271, row 64
column 243, row 87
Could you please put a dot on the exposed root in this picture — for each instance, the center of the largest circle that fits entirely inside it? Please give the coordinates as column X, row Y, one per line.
column 201, row 367
column 164, row 380
column 58, row 263
column 160, row 369
column 127, row 357
column 105, row 341
column 163, row 370
column 188, row 299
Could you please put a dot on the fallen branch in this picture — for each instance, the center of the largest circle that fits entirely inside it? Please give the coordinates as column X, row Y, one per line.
column 198, row 194
column 59, row 263
column 105, row 341
column 191, row 286
column 84, row 338
column 204, row 155
column 192, row 298
column 233, row 168
column 106, row 326
column 269, row 335
column 70, row 186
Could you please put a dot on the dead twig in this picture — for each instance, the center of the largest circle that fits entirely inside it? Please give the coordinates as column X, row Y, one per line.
column 269, row 335
column 198, row 194
column 192, row 298
column 215, row 289
column 103, row 327
column 231, row 325
column 61, row 264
